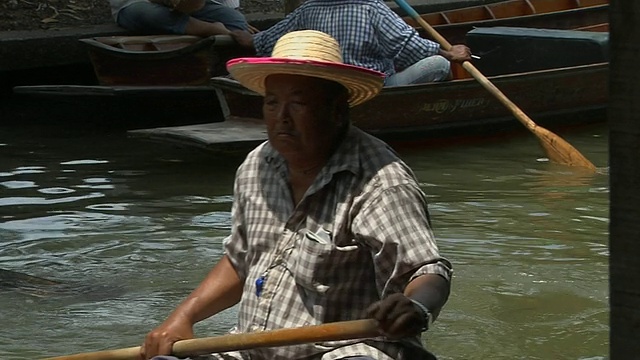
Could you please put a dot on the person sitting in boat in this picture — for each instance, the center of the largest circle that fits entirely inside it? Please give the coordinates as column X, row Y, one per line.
column 328, row 223
column 191, row 17
column 371, row 36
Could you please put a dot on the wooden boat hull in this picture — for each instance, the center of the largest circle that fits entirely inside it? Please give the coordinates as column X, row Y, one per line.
column 163, row 60
column 461, row 107
column 421, row 115
column 122, row 108
column 545, row 81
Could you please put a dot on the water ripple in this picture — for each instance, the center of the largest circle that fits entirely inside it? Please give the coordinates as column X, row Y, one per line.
column 25, row 200
column 84, row 162
column 56, row 190
column 18, row 184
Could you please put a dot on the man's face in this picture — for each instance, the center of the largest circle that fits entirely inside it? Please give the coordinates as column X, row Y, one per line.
column 300, row 115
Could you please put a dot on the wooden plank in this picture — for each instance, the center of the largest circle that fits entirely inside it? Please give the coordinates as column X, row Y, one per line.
column 236, row 133
column 122, row 90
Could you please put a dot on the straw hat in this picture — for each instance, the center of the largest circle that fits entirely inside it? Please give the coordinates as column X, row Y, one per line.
column 309, row 53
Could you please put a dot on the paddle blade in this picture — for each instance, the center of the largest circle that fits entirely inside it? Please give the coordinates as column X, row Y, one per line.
column 560, row 151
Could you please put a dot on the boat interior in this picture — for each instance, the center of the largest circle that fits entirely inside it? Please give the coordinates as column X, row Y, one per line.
column 148, row 43
column 507, row 50
column 503, row 10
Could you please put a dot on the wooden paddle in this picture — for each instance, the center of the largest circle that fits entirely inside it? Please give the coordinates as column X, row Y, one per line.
column 342, row 330
column 557, row 149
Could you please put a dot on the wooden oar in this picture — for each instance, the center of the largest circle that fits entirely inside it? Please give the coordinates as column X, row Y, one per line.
column 342, row 330
column 557, row 149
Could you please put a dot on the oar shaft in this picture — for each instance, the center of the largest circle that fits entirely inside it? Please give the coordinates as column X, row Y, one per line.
column 343, row 330
column 472, row 70
column 489, row 86
column 425, row 25
column 132, row 353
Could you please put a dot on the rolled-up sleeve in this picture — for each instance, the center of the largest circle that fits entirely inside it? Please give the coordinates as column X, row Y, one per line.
column 235, row 245
column 395, row 226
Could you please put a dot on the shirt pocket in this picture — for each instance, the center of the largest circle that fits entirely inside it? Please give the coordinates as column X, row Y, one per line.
column 317, row 262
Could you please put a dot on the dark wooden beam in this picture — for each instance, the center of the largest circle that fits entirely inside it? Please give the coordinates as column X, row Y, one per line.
column 624, row 123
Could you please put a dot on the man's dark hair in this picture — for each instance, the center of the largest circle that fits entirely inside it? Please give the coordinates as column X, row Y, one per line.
column 335, row 88
column 336, row 92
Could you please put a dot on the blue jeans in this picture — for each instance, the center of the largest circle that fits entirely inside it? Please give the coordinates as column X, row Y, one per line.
column 433, row 68
column 166, row 357
column 150, row 18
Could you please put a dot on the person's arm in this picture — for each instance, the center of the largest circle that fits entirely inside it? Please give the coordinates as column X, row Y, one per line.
column 221, row 289
column 412, row 278
column 398, row 40
column 243, row 38
column 189, row 6
column 264, row 41
column 183, row 6
column 431, row 291
column 405, row 46
column 407, row 314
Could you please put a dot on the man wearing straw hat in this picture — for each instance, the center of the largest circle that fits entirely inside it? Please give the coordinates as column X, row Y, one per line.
column 371, row 36
column 328, row 223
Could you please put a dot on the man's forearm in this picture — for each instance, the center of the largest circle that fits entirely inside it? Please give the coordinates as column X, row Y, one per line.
column 221, row 289
column 430, row 290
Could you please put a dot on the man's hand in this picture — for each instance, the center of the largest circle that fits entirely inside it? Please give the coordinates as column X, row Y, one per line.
column 243, row 38
column 457, row 53
column 160, row 340
column 189, row 6
column 397, row 316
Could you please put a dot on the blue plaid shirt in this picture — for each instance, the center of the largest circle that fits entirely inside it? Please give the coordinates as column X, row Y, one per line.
column 370, row 34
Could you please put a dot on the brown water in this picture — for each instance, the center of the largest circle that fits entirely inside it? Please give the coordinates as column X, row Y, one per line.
column 131, row 227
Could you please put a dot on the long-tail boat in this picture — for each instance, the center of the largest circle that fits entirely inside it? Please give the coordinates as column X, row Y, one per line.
column 162, row 60
column 557, row 77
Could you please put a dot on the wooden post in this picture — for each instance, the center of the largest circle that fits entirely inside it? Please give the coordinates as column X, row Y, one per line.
column 624, row 130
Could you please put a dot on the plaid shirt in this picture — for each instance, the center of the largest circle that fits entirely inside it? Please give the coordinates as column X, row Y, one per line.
column 370, row 34
column 373, row 237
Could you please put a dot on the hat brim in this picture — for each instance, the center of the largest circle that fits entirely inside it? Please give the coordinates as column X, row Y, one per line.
column 362, row 84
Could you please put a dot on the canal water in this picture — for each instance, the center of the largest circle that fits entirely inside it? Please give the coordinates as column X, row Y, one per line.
column 129, row 228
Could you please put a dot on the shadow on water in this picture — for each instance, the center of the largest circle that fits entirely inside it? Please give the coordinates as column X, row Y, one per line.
column 38, row 287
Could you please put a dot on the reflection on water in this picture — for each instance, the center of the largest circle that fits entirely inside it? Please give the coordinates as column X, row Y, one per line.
column 129, row 228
